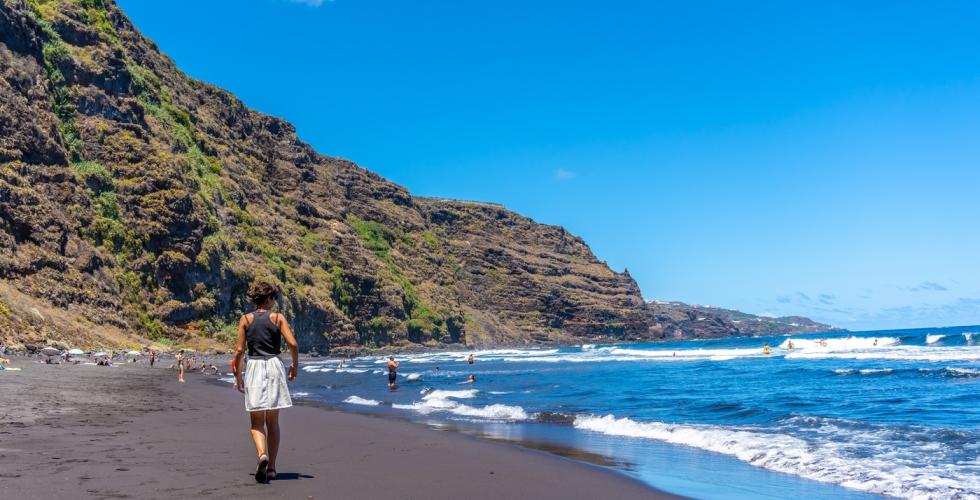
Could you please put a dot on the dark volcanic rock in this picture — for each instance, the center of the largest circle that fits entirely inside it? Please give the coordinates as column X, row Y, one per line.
column 138, row 203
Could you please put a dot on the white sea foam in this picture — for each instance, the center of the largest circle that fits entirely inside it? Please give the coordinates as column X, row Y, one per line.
column 442, row 401
column 963, row 372
column 866, row 371
column 699, row 354
column 316, row 369
column 357, row 400
column 873, row 371
column 300, row 394
column 969, row 338
column 840, row 344
column 461, row 356
column 444, row 394
column 351, row 370
column 827, row 461
column 904, row 353
column 230, row 380
column 412, row 376
column 932, row 339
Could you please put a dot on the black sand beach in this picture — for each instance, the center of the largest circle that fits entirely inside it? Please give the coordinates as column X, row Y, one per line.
column 83, row 431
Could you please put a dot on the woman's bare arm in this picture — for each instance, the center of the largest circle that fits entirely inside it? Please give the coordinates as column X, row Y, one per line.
column 239, row 354
column 287, row 334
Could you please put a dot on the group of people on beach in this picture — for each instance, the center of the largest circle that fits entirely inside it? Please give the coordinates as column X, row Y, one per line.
column 184, row 365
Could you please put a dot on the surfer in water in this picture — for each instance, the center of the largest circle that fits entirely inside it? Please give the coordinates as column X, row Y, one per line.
column 392, row 372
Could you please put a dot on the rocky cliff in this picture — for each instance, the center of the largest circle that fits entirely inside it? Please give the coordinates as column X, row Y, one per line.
column 701, row 321
column 136, row 204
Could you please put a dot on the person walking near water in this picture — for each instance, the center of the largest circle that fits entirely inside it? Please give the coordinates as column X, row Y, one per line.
column 392, row 372
column 180, row 366
column 153, row 358
column 264, row 383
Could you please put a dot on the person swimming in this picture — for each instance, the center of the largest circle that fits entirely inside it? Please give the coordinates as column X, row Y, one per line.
column 470, row 359
column 790, row 345
column 766, row 349
column 470, row 380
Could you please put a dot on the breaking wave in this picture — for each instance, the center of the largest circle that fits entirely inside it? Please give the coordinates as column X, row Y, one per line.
column 828, row 461
column 442, row 401
column 357, row 400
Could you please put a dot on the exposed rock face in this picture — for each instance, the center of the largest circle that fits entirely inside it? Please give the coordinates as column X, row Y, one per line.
column 140, row 202
column 712, row 322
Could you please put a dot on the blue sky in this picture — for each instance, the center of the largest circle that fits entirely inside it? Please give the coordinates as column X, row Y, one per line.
column 815, row 158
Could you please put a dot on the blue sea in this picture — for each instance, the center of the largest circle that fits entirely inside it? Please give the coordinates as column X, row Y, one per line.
column 859, row 415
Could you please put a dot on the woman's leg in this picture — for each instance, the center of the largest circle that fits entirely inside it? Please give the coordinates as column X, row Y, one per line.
column 258, row 432
column 272, row 424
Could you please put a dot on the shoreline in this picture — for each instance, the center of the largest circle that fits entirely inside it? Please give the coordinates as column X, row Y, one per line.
column 130, row 431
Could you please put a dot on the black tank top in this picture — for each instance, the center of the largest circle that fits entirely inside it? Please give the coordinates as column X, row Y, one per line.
column 262, row 336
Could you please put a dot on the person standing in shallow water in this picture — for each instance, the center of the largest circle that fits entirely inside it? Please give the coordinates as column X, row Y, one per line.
column 392, row 372
column 264, row 383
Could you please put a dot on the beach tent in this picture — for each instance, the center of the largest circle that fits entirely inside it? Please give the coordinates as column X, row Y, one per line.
column 134, row 353
column 76, row 352
column 100, row 354
column 51, row 351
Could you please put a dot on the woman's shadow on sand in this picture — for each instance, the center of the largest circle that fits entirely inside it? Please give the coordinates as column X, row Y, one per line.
column 290, row 476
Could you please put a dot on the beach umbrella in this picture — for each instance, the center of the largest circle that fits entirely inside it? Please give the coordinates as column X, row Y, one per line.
column 134, row 353
column 51, row 351
column 76, row 352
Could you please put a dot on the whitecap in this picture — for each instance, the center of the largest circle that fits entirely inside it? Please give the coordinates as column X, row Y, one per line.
column 904, row 353
column 963, row 372
column 442, row 401
column 840, row 344
column 821, row 461
column 932, row 339
column 357, row 400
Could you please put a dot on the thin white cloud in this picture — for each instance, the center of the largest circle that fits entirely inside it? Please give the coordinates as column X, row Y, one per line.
column 564, row 175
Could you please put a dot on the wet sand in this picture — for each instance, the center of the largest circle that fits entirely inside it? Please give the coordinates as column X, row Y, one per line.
column 83, row 431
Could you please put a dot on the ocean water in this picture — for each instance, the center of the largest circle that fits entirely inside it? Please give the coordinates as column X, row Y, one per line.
column 889, row 413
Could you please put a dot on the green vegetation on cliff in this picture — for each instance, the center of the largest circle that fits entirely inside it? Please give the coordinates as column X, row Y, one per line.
column 138, row 204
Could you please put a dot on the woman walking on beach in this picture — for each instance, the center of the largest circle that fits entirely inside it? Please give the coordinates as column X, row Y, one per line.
column 180, row 366
column 264, row 384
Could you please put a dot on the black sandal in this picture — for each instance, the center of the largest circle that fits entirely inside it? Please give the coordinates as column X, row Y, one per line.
column 262, row 470
column 271, row 474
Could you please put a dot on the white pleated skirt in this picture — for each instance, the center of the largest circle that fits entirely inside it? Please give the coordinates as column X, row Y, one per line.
column 265, row 385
